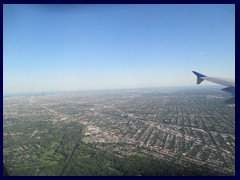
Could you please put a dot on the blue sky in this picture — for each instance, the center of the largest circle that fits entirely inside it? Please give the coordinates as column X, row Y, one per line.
column 77, row 47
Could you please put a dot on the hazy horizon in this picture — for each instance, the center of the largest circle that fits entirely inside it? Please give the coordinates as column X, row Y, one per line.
column 208, row 86
column 88, row 47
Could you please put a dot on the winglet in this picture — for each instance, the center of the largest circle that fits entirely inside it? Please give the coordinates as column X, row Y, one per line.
column 199, row 77
column 229, row 90
column 198, row 74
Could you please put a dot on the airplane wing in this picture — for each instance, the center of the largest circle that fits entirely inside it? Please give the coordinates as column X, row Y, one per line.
column 222, row 81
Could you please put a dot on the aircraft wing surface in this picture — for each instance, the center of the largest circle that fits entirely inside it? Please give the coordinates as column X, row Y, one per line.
column 218, row 80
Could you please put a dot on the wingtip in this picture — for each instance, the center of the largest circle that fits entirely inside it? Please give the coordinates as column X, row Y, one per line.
column 194, row 72
column 198, row 74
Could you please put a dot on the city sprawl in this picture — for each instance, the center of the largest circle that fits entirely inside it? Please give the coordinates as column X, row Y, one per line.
column 158, row 131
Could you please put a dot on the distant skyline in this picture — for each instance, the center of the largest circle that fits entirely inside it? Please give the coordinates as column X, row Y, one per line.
column 81, row 47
